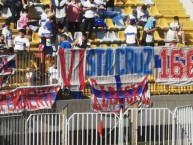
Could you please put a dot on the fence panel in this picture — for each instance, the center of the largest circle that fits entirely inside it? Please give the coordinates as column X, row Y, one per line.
column 84, row 128
column 45, row 129
column 147, row 126
column 184, row 125
column 12, row 131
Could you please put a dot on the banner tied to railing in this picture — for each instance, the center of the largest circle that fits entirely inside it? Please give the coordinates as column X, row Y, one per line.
column 27, row 98
column 113, row 93
column 120, row 61
column 7, row 68
column 72, row 68
column 174, row 66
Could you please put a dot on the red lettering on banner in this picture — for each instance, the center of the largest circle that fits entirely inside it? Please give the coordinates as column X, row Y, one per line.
column 189, row 64
column 176, row 66
column 164, row 60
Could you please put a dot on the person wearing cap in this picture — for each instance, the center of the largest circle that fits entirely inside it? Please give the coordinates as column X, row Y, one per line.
column 150, row 28
column 7, row 32
column 131, row 33
column 20, row 42
column 65, row 44
column 45, row 33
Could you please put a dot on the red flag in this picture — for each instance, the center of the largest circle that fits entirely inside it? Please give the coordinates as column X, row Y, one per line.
column 100, row 128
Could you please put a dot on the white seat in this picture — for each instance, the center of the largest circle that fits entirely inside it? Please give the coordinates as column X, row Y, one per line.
column 148, row 2
column 77, row 35
column 6, row 12
column 120, row 24
column 112, row 36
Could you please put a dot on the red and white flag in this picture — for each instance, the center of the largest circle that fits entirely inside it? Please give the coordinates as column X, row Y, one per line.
column 72, row 68
column 28, row 98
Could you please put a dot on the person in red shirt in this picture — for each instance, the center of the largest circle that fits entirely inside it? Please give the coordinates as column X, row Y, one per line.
column 73, row 16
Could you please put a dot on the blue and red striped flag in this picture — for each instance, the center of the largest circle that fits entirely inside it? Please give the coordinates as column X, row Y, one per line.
column 112, row 93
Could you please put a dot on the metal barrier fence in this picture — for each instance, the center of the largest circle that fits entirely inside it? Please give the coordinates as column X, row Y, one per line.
column 184, row 125
column 12, row 129
column 33, row 69
column 37, row 68
column 136, row 126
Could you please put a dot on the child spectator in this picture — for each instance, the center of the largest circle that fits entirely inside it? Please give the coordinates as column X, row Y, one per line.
column 23, row 21
column 45, row 33
column 20, row 42
column 89, row 8
column 150, row 28
column 82, row 42
column 44, row 16
column 142, row 15
column 73, row 16
column 175, row 31
column 131, row 34
column 60, row 10
column 65, row 44
column 7, row 32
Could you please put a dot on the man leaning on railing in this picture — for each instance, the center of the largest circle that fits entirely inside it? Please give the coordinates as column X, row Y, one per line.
column 20, row 42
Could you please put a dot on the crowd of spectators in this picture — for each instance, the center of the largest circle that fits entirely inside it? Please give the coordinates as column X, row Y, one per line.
column 62, row 16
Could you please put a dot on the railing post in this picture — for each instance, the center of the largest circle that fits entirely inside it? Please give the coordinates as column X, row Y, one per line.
column 65, row 129
column 134, row 124
column 121, row 128
column 173, row 128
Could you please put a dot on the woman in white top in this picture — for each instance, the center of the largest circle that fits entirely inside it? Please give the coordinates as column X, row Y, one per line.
column 175, row 31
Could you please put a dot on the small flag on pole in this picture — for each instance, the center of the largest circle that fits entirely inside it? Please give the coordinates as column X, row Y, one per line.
column 100, row 128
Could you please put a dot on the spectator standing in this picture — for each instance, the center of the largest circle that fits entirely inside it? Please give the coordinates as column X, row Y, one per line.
column 44, row 16
column 110, row 4
column 65, row 44
column 150, row 28
column 73, row 16
column 45, row 33
column 131, row 34
column 60, row 10
column 82, row 42
column 142, row 15
column 53, row 73
column 89, row 8
column 20, row 42
column 7, row 32
column 24, row 20
column 15, row 7
column 175, row 31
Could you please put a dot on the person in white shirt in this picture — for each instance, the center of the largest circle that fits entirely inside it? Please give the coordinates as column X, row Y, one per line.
column 175, row 31
column 45, row 33
column 44, row 16
column 149, row 29
column 7, row 32
column 131, row 33
column 89, row 7
column 142, row 15
column 53, row 73
column 60, row 10
column 20, row 42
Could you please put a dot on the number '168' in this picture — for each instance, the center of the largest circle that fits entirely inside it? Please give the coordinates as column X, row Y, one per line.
column 177, row 69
